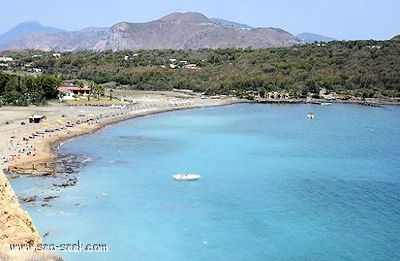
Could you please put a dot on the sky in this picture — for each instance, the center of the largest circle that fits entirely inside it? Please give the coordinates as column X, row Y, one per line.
column 340, row 19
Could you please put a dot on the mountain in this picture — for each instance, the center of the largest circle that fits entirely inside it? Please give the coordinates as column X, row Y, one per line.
column 174, row 31
column 192, row 31
column 226, row 22
column 310, row 37
column 24, row 29
column 396, row 38
column 86, row 39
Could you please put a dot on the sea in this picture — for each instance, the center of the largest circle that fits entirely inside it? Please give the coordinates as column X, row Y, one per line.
column 274, row 185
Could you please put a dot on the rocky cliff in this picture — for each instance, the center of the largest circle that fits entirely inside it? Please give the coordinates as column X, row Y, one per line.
column 16, row 226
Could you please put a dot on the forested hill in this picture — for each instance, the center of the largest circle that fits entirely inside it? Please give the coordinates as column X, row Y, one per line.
column 372, row 67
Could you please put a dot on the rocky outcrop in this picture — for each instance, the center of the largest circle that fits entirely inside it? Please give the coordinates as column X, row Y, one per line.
column 16, row 226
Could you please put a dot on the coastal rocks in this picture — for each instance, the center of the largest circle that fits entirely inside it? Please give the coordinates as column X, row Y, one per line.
column 15, row 224
column 71, row 163
column 47, row 199
column 29, row 199
column 64, row 175
column 38, row 200
column 32, row 168
column 68, row 183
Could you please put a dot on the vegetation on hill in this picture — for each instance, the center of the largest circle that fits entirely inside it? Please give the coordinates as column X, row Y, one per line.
column 365, row 69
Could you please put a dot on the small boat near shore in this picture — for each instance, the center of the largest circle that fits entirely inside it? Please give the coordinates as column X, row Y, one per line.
column 187, row 177
column 310, row 115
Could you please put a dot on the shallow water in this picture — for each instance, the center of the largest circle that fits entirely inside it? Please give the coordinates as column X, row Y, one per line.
column 275, row 186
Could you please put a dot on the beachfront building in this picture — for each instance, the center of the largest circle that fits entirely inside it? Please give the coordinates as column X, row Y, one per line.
column 71, row 91
column 36, row 118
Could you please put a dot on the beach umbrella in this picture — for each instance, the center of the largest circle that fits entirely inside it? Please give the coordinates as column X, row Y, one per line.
column 46, row 124
column 59, row 121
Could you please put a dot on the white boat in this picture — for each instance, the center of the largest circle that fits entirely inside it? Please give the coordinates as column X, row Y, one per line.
column 186, row 176
column 325, row 103
column 310, row 115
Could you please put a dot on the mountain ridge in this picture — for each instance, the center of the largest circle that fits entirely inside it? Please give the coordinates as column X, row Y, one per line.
column 27, row 28
column 226, row 22
column 312, row 37
column 188, row 30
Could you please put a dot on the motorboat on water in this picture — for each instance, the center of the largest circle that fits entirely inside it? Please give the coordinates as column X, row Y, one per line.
column 310, row 115
column 187, row 177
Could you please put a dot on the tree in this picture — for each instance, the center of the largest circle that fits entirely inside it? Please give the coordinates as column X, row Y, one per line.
column 111, row 92
column 49, row 85
column 262, row 91
column 97, row 89
column 4, row 78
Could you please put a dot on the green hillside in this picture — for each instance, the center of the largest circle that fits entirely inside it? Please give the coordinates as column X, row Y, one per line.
column 367, row 68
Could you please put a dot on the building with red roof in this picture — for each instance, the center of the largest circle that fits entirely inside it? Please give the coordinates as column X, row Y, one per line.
column 70, row 89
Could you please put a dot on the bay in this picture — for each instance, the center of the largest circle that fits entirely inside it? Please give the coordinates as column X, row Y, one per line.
column 275, row 186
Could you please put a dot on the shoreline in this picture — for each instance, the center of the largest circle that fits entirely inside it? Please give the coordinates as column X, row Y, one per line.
column 35, row 154
column 42, row 163
column 372, row 102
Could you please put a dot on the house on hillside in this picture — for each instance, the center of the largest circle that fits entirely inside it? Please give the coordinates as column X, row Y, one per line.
column 6, row 59
column 191, row 66
column 3, row 62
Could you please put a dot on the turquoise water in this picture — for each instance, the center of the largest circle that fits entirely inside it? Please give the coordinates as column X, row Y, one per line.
column 274, row 186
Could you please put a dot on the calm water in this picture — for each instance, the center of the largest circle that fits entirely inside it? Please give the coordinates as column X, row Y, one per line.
column 274, row 186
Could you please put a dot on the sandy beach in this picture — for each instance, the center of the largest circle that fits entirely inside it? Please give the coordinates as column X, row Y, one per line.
column 29, row 148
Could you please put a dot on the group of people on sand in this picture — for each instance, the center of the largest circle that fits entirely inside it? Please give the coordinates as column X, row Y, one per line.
column 18, row 148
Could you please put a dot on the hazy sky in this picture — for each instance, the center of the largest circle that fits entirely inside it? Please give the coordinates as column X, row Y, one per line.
column 340, row 19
